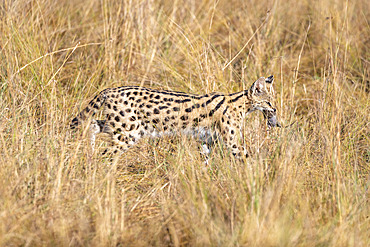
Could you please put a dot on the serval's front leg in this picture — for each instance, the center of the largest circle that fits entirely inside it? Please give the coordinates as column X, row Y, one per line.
column 233, row 139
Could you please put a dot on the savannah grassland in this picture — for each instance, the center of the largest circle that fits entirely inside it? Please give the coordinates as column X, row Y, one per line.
column 303, row 185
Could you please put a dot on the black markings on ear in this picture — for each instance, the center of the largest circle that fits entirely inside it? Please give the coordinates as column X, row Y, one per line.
column 258, row 86
column 270, row 79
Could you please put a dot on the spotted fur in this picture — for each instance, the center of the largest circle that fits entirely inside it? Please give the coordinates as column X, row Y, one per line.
column 133, row 112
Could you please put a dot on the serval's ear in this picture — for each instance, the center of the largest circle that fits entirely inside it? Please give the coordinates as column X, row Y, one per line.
column 258, row 86
column 270, row 79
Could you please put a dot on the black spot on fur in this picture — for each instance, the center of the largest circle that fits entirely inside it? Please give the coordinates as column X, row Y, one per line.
column 155, row 121
column 182, row 101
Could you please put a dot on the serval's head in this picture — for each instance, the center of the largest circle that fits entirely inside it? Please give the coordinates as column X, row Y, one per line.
column 263, row 100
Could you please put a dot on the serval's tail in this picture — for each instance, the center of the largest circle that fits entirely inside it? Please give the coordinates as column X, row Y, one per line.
column 93, row 107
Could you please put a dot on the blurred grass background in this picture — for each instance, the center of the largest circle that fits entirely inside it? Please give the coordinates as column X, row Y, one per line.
column 304, row 185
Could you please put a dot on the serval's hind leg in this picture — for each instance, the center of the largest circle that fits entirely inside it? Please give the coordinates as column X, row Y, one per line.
column 96, row 127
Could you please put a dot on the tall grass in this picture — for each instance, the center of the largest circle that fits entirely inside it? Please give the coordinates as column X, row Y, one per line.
column 304, row 185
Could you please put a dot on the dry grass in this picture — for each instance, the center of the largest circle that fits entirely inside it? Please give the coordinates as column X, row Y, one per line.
column 305, row 185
